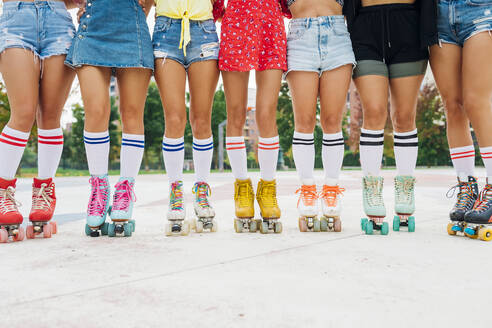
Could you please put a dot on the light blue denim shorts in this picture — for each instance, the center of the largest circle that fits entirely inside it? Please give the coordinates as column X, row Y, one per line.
column 204, row 44
column 318, row 44
column 44, row 27
column 459, row 20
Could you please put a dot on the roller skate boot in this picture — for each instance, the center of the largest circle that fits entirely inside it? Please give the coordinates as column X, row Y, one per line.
column 244, row 199
column 176, row 225
column 10, row 218
column 266, row 196
column 121, row 212
column 372, row 196
column 467, row 195
column 404, row 203
column 43, row 207
column 307, row 206
column 479, row 219
column 98, row 206
column 331, row 206
column 204, row 212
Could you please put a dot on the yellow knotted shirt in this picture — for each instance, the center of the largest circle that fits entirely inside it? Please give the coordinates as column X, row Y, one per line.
column 185, row 10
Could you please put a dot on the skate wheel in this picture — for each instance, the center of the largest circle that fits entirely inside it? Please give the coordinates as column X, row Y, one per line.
column 369, row 228
column 132, row 222
column 30, row 232
column 185, row 228
column 337, row 225
column 316, row 225
column 303, row 225
column 4, row 236
column 20, row 235
column 471, row 233
column 111, row 230
column 193, row 223
column 363, row 223
column 54, row 227
column 323, row 224
column 104, row 229
column 396, row 223
column 215, row 226
column 128, row 229
column 238, row 226
column 485, row 234
column 451, row 232
column 385, row 228
column 278, row 227
column 411, row 224
column 264, row 227
column 168, row 229
column 198, row 226
column 47, row 231
column 253, row 227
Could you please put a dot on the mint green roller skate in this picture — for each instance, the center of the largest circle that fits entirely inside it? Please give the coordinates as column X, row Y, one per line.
column 372, row 195
column 98, row 206
column 121, row 211
column 404, row 203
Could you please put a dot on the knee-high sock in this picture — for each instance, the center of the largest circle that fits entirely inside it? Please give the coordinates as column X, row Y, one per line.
column 333, row 149
column 303, row 152
column 268, row 157
column 463, row 159
column 173, row 153
column 97, row 150
column 406, row 147
column 12, row 145
column 132, row 149
column 486, row 153
column 50, row 149
column 236, row 152
column 371, row 151
column 203, row 150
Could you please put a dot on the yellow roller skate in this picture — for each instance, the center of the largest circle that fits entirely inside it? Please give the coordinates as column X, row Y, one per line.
column 244, row 198
column 266, row 195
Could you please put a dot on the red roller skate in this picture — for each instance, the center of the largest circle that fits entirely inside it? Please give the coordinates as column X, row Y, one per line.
column 43, row 207
column 10, row 218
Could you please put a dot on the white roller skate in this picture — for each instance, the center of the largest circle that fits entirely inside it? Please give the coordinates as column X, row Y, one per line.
column 177, row 225
column 307, row 206
column 331, row 206
column 204, row 212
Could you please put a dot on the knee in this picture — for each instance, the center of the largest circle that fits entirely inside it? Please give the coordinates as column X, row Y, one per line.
column 474, row 105
column 176, row 123
column 236, row 117
column 375, row 116
column 454, row 109
column 22, row 118
column 331, row 122
column 404, row 120
column 200, row 124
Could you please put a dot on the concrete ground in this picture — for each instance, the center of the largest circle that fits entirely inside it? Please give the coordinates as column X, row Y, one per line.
column 295, row 279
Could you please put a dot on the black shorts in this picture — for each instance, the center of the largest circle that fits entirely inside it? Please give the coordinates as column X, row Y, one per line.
column 389, row 35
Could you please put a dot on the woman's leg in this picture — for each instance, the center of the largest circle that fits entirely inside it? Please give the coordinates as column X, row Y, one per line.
column 55, row 86
column 446, row 63
column 171, row 80
column 133, row 84
column 20, row 71
column 404, row 96
column 477, row 92
column 236, row 94
column 203, row 77
column 94, row 86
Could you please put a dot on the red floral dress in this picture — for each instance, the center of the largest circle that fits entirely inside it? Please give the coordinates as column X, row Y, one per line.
column 252, row 36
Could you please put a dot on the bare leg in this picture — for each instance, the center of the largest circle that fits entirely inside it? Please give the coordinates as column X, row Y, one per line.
column 373, row 91
column 404, row 96
column 236, row 93
column 304, row 87
column 268, row 88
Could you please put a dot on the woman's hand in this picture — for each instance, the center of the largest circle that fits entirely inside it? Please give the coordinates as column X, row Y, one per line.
column 80, row 13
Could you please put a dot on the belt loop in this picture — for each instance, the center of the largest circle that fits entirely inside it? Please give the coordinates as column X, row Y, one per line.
column 308, row 23
column 50, row 4
column 19, row 4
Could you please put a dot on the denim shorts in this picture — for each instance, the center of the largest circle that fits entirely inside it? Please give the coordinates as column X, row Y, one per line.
column 44, row 27
column 112, row 33
column 204, row 44
column 459, row 20
column 318, row 44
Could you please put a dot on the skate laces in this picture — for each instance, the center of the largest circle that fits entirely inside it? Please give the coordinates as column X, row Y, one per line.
column 404, row 190
column 243, row 192
column 123, row 195
column 484, row 200
column 99, row 196
column 8, row 203
column 374, row 192
column 330, row 194
column 269, row 194
column 465, row 197
column 41, row 197
column 202, row 191
column 176, row 199
column 308, row 195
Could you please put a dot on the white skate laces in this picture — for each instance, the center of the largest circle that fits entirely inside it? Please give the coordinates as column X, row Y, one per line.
column 404, row 191
column 8, row 203
column 41, row 197
column 375, row 196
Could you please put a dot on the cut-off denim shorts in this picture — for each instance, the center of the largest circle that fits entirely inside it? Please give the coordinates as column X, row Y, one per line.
column 459, row 20
column 318, row 44
column 43, row 27
column 204, row 44
column 112, row 33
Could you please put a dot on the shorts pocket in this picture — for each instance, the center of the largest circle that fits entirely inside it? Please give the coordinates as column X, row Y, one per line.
column 208, row 26
column 296, row 33
column 340, row 29
column 479, row 2
column 7, row 15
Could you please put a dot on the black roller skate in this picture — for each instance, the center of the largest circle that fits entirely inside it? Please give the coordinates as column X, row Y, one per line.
column 467, row 195
column 479, row 219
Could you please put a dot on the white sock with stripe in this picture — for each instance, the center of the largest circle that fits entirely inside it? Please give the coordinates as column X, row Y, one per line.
column 131, row 153
column 486, row 153
column 97, row 150
column 463, row 159
column 303, row 152
column 268, row 157
column 50, row 149
column 236, row 152
column 12, row 145
column 371, row 151
column 203, row 150
column 406, row 147
column 332, row 153
column 173, row 153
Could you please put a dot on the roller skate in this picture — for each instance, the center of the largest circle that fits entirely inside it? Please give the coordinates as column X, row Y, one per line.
column 307, row 206
column 122, row 209
column 10, row 218
column 467, row 195
column 372, row 196
column 204, row 212
column 244, row 199
column 43, row 207
column 266, row 196
column 479, row 219
column 404, row 203
column 177, row 225
column 98, row 206
column 331, row 206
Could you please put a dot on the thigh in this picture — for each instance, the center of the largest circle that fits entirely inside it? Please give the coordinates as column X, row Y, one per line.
column 94, row 87
column 477, row 67
column 133, row 84
column 404, row 93
column 203, row 77
column 373, row 91
column 304, row 88
column 446, row 67
column 236, row 92
column 268, row 88
column 55, row 86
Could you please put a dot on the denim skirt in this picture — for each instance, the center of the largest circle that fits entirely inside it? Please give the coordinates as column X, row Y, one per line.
column 112, row 33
